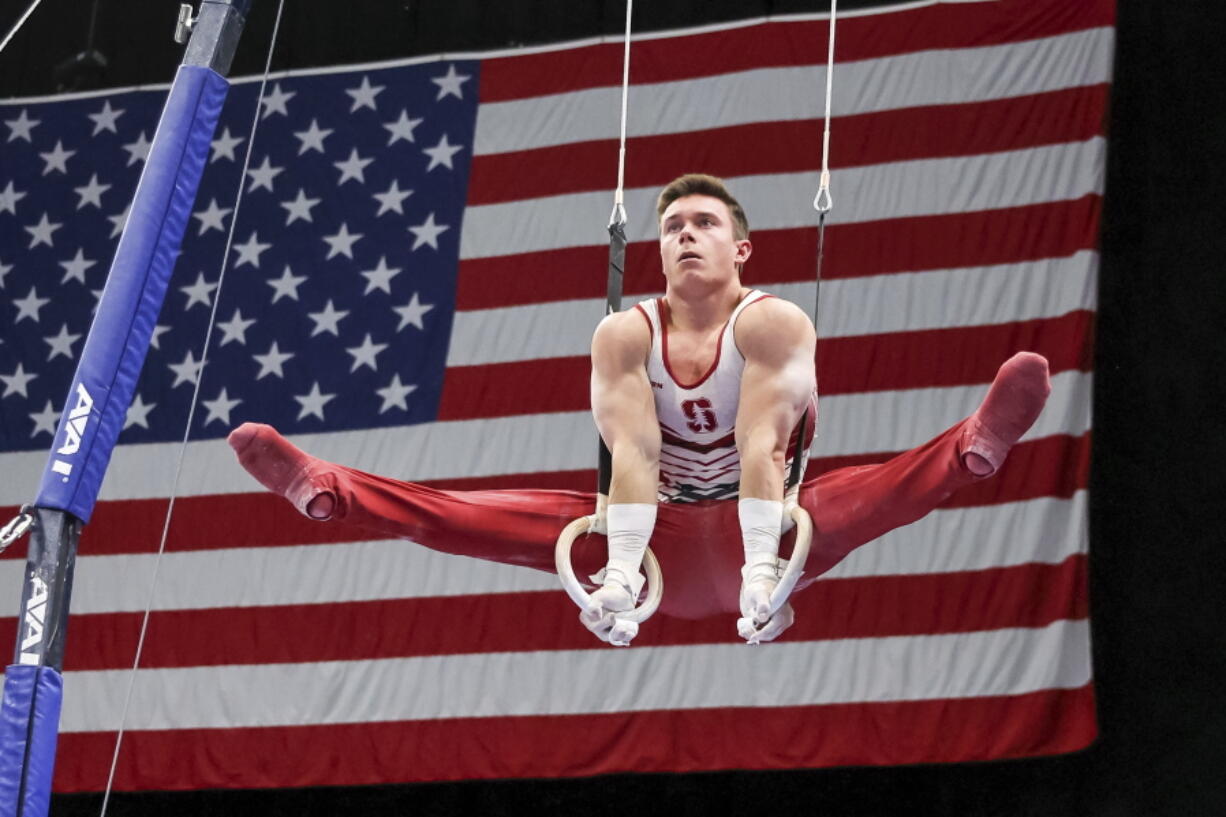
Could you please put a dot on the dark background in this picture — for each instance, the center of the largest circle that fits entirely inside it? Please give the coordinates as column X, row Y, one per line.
column 1157, row 495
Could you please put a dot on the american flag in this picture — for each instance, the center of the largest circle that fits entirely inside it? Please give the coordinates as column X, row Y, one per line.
column 417, row 266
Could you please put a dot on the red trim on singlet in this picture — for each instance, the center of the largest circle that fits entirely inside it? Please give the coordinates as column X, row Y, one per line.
column 765, row 296
column 719, row 348
column 705, row 463
column 690, row 478
column 651, row 330
column 701, row 448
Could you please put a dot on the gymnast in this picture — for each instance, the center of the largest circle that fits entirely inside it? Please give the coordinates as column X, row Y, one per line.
column 697, row 395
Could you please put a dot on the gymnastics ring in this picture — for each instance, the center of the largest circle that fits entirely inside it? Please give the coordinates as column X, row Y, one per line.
column 561, row 554
column 800, row 555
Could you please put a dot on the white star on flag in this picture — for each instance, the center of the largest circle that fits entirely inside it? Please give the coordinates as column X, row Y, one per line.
column 402, row 128
column 312, row 138
column 341, row 242
column 411, row 314
column 74, row 269
column 427, row 232
column 20, row 127
column 313, row 402
column 286, row 286
column 9, row 197
column 187, row 371
column 392, row 199
column 235, row 329
column 393, row 394
column 364, row 95
column 271, row 361
column 91, row 193
column 5, row 269
column 56, row 159
column 299, row 208
column 29, row 306
column 118, row 222
column 224, row 145
column 61, row 344
column 138, row 413
column 41, row 232
column 263, row 175
column 275, row 101
column 219, row 408
column 212, row 217
column 45, row 420
column 380, row 277
column 352, row 168
column 156, row 334
column 200, row 292
column 441, row 154
column 249, row 253
column 449, row 85
column 365, row 354
column 138, row 151
column 16, row 382
column 327, row 319
column 105, row 118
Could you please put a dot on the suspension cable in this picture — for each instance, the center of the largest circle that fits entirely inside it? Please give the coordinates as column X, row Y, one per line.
column 619, row 210
column 191, row 413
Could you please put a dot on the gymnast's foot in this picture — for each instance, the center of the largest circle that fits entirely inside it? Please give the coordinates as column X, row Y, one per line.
column 1013, row 404
column 282, row 468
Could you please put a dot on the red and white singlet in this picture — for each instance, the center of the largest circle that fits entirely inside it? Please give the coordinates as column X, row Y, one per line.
column 698, row 456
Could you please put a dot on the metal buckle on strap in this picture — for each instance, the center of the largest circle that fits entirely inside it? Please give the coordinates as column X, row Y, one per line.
column 16, row 528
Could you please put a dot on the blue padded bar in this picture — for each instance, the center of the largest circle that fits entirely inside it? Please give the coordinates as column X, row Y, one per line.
column 115, row 350
column 29, row 726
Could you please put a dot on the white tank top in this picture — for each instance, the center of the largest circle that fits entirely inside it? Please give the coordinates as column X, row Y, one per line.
column 698, row 456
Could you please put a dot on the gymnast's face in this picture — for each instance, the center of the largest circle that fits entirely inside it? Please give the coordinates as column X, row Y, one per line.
column 698, row 247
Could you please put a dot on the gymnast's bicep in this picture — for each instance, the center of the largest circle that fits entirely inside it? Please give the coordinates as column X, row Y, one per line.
column 622, row 401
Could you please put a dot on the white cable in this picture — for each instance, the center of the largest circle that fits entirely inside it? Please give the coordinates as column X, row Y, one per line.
column 619, row 209
column 17, row 26
column 823, row 202
column 191, row 413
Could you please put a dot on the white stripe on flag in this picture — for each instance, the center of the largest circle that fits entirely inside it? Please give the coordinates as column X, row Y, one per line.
column 922, row 187
column 565, row 682
column 1045, row 530
column 851, row 424
column 938, row 77
column 870, row 305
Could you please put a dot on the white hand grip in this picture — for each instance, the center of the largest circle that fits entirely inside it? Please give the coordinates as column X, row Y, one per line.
column 800, row 555
column 561, row 555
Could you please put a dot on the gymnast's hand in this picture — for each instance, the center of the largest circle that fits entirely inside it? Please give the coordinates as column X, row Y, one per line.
column 599, row 616
column 756, row 624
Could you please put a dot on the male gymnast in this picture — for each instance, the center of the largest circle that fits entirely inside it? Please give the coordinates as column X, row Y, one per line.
column 698, row 396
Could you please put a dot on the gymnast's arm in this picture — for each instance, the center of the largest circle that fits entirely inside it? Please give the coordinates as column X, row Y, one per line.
column 625, row 414
column 624, row 408
column 778, row 342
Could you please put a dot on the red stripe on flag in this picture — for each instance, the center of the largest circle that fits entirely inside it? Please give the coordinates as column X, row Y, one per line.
column 899, row 360
column 1029, row 595
column 785, row 43
column 983, row 238
column 957, row 730
column 930, row 132
column 1052, row 466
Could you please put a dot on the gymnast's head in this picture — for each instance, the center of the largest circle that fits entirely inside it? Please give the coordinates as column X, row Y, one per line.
column 704, row 234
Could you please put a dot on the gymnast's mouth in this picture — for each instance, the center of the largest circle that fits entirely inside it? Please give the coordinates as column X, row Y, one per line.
column 685, row 256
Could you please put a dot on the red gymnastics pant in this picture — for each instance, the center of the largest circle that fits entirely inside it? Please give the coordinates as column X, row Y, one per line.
column 698, row 544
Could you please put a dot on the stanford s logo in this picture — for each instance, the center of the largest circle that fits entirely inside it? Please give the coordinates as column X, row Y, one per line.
column 701, row 415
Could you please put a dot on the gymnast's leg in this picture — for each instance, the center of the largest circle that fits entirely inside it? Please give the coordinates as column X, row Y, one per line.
column 512, row 527
column 855, row 505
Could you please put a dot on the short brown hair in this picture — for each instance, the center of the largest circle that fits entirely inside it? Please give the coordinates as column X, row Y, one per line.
column 700, row 184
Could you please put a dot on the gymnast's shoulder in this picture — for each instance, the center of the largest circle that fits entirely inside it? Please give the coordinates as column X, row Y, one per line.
column 622, row 334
